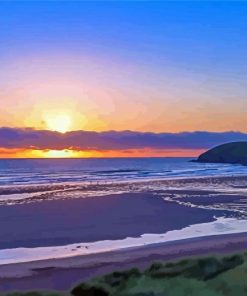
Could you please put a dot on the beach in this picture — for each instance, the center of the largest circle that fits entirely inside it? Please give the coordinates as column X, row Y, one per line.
column 53, row 235
column 111, row 217
column 62, row 274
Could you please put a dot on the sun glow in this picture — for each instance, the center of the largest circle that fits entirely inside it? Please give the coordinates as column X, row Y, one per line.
column 59, row 154
column 58, row 122
column 69, row 153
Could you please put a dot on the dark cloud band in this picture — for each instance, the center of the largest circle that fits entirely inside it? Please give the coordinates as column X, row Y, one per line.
column 28, row 138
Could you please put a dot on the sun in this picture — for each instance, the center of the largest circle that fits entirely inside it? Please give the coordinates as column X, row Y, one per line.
column 58, row 122
column 59, row 154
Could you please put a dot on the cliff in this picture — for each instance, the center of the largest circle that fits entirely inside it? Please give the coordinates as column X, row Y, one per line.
column 233, row 153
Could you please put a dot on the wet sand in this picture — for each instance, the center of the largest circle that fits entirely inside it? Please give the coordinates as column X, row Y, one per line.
column 62, row 222
column 62, row 274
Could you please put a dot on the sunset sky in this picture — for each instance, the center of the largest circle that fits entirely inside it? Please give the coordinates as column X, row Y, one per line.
column 75, row 75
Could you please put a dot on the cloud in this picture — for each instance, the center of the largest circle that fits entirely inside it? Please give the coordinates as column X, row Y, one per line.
column 27, row 138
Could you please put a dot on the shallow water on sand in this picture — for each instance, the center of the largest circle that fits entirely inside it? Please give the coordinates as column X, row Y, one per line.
column 48, row 178
column 218, row 227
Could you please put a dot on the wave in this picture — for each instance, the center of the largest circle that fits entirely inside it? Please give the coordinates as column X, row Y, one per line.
column 49, row 172
column 115, row 171
column 34, row 189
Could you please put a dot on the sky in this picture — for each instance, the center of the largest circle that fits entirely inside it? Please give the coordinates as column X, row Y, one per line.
column 147, row 67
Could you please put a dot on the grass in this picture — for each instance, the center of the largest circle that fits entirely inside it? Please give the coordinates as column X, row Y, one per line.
column 210, row 276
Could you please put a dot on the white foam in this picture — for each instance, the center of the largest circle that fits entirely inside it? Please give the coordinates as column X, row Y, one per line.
column 218, row 227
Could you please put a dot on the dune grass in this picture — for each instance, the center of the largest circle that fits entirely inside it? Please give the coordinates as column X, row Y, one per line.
column 209, row 276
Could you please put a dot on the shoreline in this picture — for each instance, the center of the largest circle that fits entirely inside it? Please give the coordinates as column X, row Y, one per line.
column 114, row 217
column 21, row 194
column 63, row 273
column 220, row 226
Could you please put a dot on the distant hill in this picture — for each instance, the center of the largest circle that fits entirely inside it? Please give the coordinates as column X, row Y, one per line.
column 234, row 153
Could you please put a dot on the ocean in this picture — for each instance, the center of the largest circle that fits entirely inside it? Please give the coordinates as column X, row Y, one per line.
column 22, row 179
column 56, row 171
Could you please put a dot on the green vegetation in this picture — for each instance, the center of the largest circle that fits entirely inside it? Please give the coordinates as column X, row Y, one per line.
column 211, row 276
column 234, row 153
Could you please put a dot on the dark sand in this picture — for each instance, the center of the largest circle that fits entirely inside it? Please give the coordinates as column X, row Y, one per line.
column 62, row 274
column 62, row 222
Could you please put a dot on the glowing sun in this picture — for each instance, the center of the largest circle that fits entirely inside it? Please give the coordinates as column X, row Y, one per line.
column 59, row 154
column 60, row 122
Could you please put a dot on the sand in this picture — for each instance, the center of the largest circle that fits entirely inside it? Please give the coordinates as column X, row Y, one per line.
column 62, row 222
column 62, row 274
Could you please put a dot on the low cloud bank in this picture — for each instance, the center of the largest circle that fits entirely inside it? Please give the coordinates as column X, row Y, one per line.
column 27, row 138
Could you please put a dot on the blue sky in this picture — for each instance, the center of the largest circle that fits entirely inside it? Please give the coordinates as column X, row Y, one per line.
column 192, row 34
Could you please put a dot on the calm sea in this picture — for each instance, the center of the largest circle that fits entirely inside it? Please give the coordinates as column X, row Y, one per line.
column 47, row 171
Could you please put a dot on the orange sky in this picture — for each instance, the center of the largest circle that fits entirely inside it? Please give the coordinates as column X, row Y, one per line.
column 135, row 98
column 29, row 153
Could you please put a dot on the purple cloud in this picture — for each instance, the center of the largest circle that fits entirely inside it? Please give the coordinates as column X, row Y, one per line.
column 28, row 138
